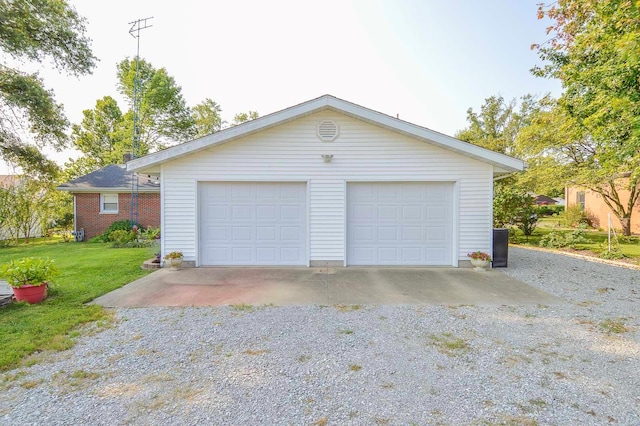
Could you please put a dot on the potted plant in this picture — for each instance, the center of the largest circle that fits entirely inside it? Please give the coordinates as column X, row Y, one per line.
column 29, row 277
column 174, row 259
column 480, row 260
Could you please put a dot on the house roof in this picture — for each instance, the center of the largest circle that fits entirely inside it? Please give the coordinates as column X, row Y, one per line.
column 503, row 164
column 112, row 178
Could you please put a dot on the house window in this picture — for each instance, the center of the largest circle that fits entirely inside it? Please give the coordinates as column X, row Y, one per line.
column 580, row 199
column 108, row 203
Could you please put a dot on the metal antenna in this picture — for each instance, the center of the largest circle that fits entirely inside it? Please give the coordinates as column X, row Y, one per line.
column 136, row 26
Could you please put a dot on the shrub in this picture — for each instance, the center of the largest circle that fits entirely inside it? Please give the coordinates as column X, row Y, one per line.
column 121, row 225
column 573, row 216
column 557, row 239
column 120, row 237
column 118, row 225
column 548, row 210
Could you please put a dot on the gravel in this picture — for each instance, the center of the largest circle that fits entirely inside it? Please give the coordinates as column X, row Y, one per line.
column 560, row 364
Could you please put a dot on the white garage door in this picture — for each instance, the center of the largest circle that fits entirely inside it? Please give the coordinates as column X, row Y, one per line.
column 251, row 223
column 403, row 223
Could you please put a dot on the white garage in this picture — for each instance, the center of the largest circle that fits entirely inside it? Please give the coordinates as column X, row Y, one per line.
column 253, row 223
column 326, row 183
column 400, row 223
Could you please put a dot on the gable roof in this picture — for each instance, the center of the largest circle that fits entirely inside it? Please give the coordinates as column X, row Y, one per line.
column 112, row 178
column 502, row 163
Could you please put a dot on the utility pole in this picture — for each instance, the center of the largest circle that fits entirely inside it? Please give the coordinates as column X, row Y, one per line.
column 136, row 26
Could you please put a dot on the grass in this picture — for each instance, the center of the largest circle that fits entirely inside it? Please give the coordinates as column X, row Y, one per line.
column 449, row 344
column 616, row 326
column 597, row 240
column 86, row 272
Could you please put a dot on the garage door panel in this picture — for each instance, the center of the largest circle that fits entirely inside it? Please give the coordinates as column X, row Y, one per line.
column 253, row 223
column 412, row 233
column 412, row 212
column 387, row 233
column 290, row 212
column 266, row 212
column 387, row 212
column 406, row 223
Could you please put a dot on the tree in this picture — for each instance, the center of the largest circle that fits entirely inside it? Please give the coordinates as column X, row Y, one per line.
column 242, row 117
column 29, row 202
column 497, row 125
column 207, row 119
column 101, row 134
column 514, row 207
column 594, row 51
column 34, row 31
column 165, row 118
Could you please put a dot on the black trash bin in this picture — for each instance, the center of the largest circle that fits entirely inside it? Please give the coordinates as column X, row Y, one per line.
column 500, row 247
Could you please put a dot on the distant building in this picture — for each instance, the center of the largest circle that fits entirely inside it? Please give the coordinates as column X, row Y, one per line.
column 104, row 196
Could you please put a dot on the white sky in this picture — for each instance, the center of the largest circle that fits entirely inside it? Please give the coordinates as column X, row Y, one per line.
column 426, row 60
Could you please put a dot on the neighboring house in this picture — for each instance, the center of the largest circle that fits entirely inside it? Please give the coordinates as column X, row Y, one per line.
column 326, row 182
column 543, row 200
column 104, row 196
column 594, row 206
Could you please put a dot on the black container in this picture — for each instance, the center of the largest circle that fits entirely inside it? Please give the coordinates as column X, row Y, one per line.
column 500, row 247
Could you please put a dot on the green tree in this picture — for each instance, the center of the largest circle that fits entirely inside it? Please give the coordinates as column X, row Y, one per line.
column 243, row 117
column 514, row 207
column 165, row 118
column 34, row 31
column 498, row 123
column 207, row 118
column 594, row 50
column 30, row 204
column 101, row 134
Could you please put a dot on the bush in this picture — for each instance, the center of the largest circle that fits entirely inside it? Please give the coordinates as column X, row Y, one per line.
column 121, row 225
column 557, row 239
column 121, row 237
column 118, row 225
column 549, row 210
column 574, row 216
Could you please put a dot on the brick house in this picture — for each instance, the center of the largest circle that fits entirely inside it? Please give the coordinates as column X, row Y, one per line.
column 104, row 196
column 594, row 206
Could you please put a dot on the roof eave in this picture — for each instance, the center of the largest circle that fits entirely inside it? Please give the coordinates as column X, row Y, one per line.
column 118, row 190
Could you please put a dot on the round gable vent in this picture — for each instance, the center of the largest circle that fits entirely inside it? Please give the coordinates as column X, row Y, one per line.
column 327, row 130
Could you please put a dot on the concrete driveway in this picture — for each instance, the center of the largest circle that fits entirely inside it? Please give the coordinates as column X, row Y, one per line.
column 325, row 286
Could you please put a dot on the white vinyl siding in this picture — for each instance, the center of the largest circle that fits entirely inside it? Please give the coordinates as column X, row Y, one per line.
column 108, row 203
column 361, row 152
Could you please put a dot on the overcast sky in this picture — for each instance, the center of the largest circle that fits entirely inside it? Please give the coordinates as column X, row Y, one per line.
column 426, row 60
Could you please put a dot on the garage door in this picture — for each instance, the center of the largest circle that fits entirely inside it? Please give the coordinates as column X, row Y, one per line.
column 251, row 223
column 408, row 223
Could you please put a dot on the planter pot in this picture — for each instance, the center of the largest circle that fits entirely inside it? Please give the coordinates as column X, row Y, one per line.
column 479, row 264
column 30, row 293
column 174, row 264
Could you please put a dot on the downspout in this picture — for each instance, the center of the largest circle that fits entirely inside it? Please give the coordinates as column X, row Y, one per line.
column 75, row 224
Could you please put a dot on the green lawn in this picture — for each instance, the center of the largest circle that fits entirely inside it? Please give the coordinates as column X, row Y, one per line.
column 86, row 272
column 597, row 240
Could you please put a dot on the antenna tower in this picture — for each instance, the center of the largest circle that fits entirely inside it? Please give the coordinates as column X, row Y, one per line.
column 136, row 26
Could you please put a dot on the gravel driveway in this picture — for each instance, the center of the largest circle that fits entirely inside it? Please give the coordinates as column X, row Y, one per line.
column 356, row 364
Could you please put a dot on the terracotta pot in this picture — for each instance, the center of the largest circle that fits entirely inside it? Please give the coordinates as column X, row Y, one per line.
column 479, row 264
column 30, row 293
